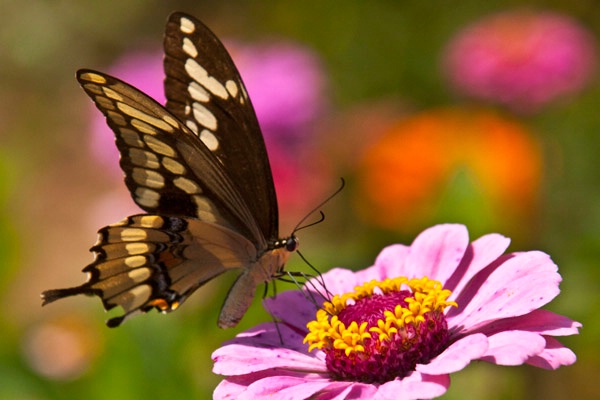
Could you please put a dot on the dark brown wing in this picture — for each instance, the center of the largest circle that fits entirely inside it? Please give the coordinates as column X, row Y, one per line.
column 168, row 170
column 205, row 90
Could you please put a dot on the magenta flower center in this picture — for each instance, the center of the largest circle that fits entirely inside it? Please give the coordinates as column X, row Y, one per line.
column 382, row 330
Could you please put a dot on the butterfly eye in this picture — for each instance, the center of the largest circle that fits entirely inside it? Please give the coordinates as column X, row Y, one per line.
column 292, row 244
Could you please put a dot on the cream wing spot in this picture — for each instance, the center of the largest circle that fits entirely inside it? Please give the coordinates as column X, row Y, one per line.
column 205, row 209
column 133, row 298
column 137, row 248
column 188, row 186
column 143, row 158
column 197, row 93
column 149, row 178
column 244, row 96
column 158, row 146
column 92, row 77
column 189, row 48
column 139, row 275
column 133, row 235
column 111, row 94
column 204, row 116
column 186, row 26
column 151, row 221
column 192, row 125
column 173, row 166
column 231, row 87
column 143, row 127
column 171, row 121
column 147, row 197
column 142, row 116
column 209, row 139
column 200, row 75
column 135, row 261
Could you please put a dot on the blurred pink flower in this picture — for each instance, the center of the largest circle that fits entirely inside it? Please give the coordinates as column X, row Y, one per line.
column 521, row 59
column 398, row 329
column 285, row 82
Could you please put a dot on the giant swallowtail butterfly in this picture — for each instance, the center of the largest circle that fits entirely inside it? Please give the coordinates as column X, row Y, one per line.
column 199, row 168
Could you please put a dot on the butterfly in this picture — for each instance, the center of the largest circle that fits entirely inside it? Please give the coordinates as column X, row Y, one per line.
column 199, row 169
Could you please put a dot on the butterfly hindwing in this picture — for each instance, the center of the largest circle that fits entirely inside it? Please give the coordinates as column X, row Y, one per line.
column 205, row 91
column 150, row 261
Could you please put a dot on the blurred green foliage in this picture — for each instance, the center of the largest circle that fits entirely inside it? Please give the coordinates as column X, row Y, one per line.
column 372, row 50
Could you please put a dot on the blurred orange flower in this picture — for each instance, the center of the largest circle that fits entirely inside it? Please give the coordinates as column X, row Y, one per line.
column 405, row 177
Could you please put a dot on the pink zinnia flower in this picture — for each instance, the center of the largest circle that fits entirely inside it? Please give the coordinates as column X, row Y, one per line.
column 399, row 328
column 521, row 59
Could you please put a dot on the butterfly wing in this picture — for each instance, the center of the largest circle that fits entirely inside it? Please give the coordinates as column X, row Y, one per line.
column 150, row 261
column 168, row 170
column 205, row 90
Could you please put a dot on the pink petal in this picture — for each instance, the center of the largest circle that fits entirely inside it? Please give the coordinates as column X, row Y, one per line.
column 340, row 280
column 267, row 335
column 553, row 356
column 414, row 386
column 436, row 252
column 236, row 359
column 286, row 387
column 272, row 384
column 538, row 321
column 513, row 347
column 233, row 386
column 519, row 285
column 456, row 356
column 388, row 264
column 348, row 390
column 479, row 255
column 303, row 310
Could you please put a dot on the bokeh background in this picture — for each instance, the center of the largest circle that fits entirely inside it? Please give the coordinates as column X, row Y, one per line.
column 479, row 112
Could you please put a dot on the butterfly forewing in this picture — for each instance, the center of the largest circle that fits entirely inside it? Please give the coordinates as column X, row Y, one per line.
column 167, row 169
column 205, row 91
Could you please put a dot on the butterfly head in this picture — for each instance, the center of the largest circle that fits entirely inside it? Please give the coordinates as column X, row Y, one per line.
column 290, row 244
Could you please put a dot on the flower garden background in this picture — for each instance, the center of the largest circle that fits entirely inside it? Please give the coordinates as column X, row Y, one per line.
column 483, row 114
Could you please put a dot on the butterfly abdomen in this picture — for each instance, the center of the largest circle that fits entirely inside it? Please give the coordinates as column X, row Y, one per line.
column 269, row 266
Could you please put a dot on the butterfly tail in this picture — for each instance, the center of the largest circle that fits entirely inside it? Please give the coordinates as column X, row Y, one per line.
column 52, row 295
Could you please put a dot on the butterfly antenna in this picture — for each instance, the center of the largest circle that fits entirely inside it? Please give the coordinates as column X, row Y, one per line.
column 311, row 212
